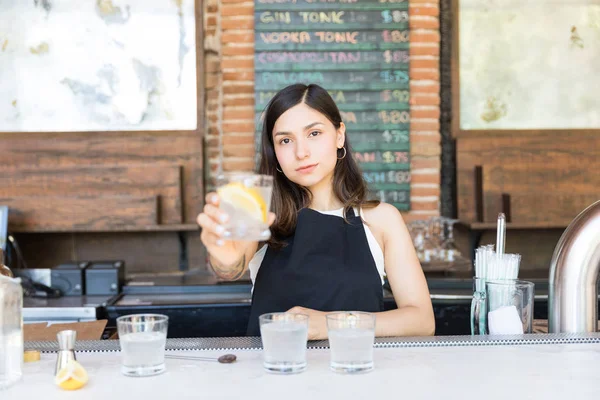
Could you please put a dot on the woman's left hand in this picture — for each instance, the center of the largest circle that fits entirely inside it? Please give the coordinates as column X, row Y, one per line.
column 317, row 324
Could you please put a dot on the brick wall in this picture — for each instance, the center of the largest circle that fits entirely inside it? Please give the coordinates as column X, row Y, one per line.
column 229, row 50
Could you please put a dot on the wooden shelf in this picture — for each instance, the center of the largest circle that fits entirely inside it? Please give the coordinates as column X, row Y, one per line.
column 150, row 228
column 481, row 226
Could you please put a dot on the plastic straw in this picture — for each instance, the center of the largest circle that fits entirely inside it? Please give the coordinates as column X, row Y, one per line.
column 501, row 234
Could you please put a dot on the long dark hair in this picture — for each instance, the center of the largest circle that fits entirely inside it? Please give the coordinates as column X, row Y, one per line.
column 288, row 197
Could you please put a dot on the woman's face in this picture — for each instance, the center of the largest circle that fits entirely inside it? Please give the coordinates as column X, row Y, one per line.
column 306, row 145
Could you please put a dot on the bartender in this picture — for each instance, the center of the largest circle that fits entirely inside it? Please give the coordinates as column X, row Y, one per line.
column 330, row 247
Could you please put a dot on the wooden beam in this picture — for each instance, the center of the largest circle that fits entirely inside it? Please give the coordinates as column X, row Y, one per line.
column 80, row 213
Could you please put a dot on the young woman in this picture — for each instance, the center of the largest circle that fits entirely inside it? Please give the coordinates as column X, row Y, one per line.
column 330, row 247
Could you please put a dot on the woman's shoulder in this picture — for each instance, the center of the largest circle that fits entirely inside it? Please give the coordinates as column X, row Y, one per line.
column 383, row 213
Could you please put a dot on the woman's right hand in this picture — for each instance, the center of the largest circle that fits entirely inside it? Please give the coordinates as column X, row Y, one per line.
column 211, row 220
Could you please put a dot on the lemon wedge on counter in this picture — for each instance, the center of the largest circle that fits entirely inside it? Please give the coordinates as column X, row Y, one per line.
column 72, row 376
column 244, row 198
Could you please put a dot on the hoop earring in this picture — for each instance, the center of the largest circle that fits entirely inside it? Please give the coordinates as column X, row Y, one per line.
column 278, row 169
column 344, row 156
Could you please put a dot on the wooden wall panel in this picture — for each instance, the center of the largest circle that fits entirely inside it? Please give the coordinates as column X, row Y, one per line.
column 83, row 149
column 541, row 163
column 145, row 180
column 73, row 213
column 536, row 190
column 541, row 207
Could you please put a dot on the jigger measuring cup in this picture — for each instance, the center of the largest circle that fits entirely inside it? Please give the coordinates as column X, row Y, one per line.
column 66, row 349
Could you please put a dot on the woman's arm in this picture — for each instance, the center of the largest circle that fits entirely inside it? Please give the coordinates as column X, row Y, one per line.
column 414, row 315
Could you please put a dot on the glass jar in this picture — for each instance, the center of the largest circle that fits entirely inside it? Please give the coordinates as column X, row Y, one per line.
column 479, row 307
column 11, row 331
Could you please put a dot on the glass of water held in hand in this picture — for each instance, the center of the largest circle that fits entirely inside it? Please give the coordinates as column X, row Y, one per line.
column 284, row 338
column 142, row 338
column 246, row 199
column 351, row 339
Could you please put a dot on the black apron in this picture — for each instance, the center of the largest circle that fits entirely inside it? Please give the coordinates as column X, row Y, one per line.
column 327, row 265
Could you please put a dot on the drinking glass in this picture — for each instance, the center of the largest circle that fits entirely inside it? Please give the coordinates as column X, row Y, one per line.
column 449, row 250
column 509, row 306
column 284, row 337
column 246, row 198
column 351, row 339
column 143, row 338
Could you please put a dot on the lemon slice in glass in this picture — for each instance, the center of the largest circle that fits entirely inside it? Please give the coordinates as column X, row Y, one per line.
column 72, row 376
column 245, row 199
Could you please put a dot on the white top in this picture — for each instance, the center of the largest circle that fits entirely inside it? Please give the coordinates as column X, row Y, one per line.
column 376, row 251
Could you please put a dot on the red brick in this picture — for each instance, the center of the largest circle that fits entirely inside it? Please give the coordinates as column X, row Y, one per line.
column 212, row 106
column 238, row 89
column 238, row 127
column 237, row 62
column 212, row 118
column 210, row 31
column 212, row 142
column 425, row 37
column 239, row 76
column 229, row 140
column 237, row 37
column 424, row 63
column 212, row 8
column 246, row 151
column 238, row 50
column 213, row 131
column 237, row 23
column 424, row 126
column 433, row 113
column 424, row 74
column 410, row 217
column 238, row 101
column 238, row 165
column 424, row 23
column 233, row 1
column 432, row 88
column 425, row 178
column 418, row 99
column 425, row 149
column 211, row 80
column 422, row 9
column 425, row 162
column 211, row 21
column 424, row 205
column 212, row 65
column 212, row 94
column 232, row 10
column 422, row 2
column 420, row 138
column 422, row 50
column 232, row 113
column 424, row 191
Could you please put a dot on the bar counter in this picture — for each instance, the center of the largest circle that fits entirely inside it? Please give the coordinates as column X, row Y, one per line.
column 534, row 366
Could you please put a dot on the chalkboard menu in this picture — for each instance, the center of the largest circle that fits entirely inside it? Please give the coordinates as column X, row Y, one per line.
column 358, row 51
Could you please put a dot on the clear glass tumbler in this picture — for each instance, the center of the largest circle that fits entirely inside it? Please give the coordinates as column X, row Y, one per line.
column 143, row 338
column 246, row 198
column 351, row 339
column 509, row 307
column 284, row 337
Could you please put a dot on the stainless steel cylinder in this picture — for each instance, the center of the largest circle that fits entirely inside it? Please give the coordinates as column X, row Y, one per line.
column 573, row 295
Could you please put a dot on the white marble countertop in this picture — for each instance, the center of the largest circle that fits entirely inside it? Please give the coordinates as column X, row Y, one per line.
column 536, row 371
